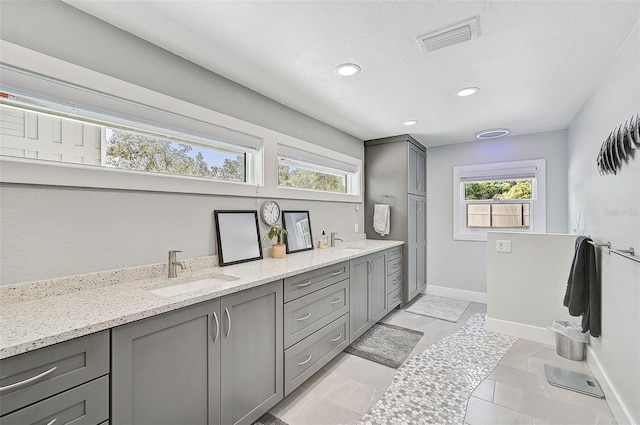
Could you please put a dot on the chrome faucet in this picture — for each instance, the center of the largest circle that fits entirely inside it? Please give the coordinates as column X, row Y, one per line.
column 173, row 263
column 334, row 239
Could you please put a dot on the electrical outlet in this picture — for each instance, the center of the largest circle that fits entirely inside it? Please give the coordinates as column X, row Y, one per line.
column 503, row 246
column 355, row 228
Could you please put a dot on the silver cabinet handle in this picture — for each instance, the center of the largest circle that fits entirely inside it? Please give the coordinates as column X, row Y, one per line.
column 53, row 421
column 28, row 380
column 336, row 301
column 306, row 361
column 374, row 266
column 396, row 281
column 302, row 285
column 369, row 267
column 226, row 311
column 337, row 338
column 336, row 273
column 300, row 319
column 215, row 316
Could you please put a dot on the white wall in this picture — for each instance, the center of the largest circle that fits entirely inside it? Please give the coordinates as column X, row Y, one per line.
column 526, row 287
column 445, row 256
column 48, row 231
column 609, row 207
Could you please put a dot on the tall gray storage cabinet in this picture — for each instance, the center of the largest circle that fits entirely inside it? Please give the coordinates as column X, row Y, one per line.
column 395, row 173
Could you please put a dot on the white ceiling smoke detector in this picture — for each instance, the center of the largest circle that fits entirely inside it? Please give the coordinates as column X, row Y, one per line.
column 445, row 37
column 493, row 133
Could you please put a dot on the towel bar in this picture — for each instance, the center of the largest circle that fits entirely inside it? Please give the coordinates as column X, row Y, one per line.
column 626, row 253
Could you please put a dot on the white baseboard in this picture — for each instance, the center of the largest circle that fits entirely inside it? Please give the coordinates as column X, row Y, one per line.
column 532, row 333
column 620, row 412
column 459, row 294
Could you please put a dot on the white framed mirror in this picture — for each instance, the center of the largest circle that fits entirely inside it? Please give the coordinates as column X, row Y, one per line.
column 238, row 236
column 298, row 227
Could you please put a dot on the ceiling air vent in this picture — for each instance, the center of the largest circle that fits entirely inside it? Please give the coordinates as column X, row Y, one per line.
column 449, row 36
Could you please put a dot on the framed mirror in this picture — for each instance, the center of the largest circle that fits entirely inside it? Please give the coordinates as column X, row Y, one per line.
column 238, row 236
column 298, row 227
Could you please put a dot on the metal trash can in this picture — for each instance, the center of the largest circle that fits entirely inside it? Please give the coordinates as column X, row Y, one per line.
column 570, row 341
column 568, row 348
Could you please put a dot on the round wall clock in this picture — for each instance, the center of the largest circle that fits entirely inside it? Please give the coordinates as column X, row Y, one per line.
column 270, row 212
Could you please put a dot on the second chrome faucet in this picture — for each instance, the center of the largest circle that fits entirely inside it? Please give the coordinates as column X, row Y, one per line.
column 334, row 239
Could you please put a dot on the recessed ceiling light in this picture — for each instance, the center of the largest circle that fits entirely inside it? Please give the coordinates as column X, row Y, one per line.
column 493, row 133
column 467, row 91
column 410, row 122
column 347, row 69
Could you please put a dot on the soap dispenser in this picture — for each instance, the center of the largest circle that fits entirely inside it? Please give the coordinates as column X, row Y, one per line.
column 324, row 242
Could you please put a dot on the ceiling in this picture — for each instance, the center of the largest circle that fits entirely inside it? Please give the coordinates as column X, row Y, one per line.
column 535, row 62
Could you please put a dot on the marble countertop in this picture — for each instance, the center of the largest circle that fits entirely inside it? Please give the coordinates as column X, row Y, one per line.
column 56, row 315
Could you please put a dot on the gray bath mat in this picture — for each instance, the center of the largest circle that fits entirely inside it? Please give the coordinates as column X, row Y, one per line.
column 386, row 344
column 443, row 308
column 433, row 387
column 269, row 419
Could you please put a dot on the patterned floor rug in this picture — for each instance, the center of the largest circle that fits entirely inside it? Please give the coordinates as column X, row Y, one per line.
column 434, row 386
column 439, row 307
column 386, row 344
column 269, row 419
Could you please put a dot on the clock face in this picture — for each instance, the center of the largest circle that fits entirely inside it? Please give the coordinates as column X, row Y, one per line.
column 270, row 212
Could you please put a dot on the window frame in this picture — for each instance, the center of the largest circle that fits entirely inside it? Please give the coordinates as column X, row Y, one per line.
column 104, row 121
column 313, row 159
column 499, row 171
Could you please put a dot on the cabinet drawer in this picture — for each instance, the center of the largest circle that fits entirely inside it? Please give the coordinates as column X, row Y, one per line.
column 306, row 315
column 394, row 299
column 306, row 283
column 60, row 367
column 393, row 253
column 87, row 404
column 394, row 281
column 309, row 355
column 394, row 266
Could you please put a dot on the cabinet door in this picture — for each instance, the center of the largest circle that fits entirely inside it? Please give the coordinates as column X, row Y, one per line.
column 252, row 353
column 165, row 369
column 367, row 292
column 359, row 271
column 421, row 269
column 378, row 288
column 416, row 246
column 416, row 173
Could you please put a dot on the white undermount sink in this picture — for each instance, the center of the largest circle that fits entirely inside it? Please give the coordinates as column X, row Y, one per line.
column 196, row 285
column 352, row 249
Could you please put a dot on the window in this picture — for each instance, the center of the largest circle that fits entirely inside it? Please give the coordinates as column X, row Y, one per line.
column 301, row 169
column 503, row 196
column 38, row 128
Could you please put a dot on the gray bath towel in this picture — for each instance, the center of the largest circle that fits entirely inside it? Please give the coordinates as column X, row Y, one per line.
column 583, row 287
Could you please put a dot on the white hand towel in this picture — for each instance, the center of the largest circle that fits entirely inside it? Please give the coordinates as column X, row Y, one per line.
column 382, row 219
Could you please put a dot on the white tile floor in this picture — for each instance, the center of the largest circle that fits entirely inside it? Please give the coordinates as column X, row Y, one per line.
column 516, row 392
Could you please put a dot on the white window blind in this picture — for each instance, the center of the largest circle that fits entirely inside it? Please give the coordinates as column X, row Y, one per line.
column 297, row 157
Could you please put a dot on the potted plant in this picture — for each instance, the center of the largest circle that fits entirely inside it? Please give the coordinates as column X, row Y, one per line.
column 277, row 249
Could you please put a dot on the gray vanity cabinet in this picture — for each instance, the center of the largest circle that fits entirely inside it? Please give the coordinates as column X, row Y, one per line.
column 396, row 174
column 166, row 370
column 217, row 362
column 368, row 292
column 62, row 383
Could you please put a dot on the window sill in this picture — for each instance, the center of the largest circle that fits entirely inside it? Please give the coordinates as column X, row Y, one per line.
column 50, row 173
